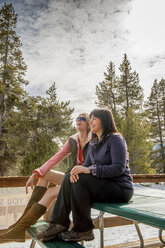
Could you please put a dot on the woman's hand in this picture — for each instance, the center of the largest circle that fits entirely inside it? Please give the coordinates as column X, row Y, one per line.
column 31, row 181
column 74, row 178
column 78, row 169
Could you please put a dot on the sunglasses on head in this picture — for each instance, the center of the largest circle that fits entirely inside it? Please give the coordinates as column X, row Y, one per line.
column 81, row 118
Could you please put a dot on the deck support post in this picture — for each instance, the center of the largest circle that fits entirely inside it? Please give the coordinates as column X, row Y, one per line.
column 139, row 234
column 101, row 228
column 161, row 236
column 33, row 243
column 82, row 243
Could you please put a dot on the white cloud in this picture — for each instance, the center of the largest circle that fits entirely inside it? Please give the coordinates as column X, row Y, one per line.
column 71, row 43
column 145, row 23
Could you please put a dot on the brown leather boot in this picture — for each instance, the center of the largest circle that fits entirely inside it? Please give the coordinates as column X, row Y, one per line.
column 72, row 236
column 36, row 196
column 17, row 234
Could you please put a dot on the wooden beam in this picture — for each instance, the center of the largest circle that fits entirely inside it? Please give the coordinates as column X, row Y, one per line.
column 13, row 181
column 137, row 178
column 113, row 221
column 147, row 178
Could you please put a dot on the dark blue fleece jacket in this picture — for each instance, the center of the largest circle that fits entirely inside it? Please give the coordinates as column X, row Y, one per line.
column 108, row 159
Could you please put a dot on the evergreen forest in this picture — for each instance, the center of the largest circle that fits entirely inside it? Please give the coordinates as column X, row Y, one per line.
column 33, row 128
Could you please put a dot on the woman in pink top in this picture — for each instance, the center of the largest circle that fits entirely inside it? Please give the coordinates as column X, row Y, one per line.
column 42, row 196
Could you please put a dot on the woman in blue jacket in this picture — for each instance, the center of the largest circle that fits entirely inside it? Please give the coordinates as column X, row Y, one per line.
column 105, row 177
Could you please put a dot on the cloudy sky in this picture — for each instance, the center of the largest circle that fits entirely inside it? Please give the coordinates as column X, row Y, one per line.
column 71, row 42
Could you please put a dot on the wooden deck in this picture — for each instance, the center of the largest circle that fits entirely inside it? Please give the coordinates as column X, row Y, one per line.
column 108, row 221
column 148, row 243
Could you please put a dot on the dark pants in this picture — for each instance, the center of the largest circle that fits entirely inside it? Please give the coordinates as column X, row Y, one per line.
column 78, row 197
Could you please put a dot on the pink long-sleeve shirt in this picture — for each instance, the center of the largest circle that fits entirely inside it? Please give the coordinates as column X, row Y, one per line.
column 59, row 156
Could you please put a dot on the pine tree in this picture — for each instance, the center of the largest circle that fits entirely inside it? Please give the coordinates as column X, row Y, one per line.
column 130, row 92
column 136, row 132
column 162, row 102
column 40, row 149
column 30, row 127
column 50, row 124
column 124, row 96
column 107, row 92
column 156, row 109
column 60, row 112
column 12, row 70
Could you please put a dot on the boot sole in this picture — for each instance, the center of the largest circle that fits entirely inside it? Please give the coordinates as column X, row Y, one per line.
column 51, row 237
column 80, row 239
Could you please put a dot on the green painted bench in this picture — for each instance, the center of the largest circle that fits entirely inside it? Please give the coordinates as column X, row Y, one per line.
column 42, row 226
column 148, row 210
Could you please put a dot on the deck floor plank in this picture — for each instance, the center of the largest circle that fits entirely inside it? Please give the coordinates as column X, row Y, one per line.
column 148, row 243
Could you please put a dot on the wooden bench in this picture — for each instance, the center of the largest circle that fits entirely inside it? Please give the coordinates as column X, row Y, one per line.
column 148, row 210
column 42, row 226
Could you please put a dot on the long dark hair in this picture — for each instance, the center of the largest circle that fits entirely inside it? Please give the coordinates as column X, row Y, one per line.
column 107, row 121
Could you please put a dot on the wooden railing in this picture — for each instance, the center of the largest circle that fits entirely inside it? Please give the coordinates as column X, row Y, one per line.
column 137, row 178
column 6, row 182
